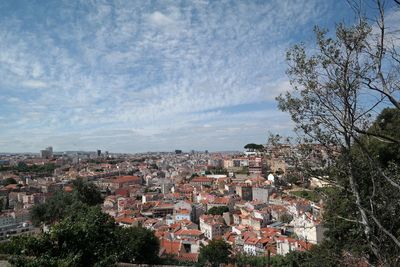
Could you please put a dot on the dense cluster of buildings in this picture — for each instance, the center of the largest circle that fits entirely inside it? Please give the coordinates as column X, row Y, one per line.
column 176, row 196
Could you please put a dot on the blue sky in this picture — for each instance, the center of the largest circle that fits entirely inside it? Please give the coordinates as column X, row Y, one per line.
column 132, row 76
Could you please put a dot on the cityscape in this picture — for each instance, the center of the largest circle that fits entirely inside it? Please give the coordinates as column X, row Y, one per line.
column 185, row 198
column 200, row 133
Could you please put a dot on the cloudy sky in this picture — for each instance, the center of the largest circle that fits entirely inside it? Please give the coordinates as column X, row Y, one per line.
column 132, row 76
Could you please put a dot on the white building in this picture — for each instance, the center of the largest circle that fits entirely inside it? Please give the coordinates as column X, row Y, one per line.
column 285, row 245
column 308, row 229
column 212, row 226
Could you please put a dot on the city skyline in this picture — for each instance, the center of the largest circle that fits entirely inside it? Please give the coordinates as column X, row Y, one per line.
column 150, row 76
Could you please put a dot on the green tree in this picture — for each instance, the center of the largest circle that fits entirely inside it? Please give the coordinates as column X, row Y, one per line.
column 336, row 92
column 54, row 209
column 215, row 253
column 87, row 237
column 22, row 167
column 218, row 210
column 138, row 245
column 286, row 218
column 244, row 260
column 253, row 146
column 61, row 204
column 87, row 193
column 8, row 181
column 386, row 124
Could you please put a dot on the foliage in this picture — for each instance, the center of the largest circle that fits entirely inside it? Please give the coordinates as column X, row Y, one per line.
column 215, row 253
column 138, row 245
column 307, row 194
column 218, row 210
column 55, row 208
column 216, row 171
column 154, row 166
column 80, row 235
column 244, row 170
column 46, row 169
column 39, row 170
column 87, row 237
column 169, row 259
column 293, row 259
column 87, row 193
column 273, row 139
column 286, row 218
column 8, row 181
column 253, row 146
column 292, row 179
column 193, row 175
column 387, row 124
column 244, row 260
column 63, row 203
column 279, row 172
column 337, row 91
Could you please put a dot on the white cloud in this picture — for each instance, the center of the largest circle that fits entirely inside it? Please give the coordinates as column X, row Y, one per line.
column 34, row 84
column 160, row 19
column 148, row 71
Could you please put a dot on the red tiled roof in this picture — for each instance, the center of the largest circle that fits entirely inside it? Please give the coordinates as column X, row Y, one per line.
column 122, row 192
column 125, row 220
column 193, row 257
column 221, row 200
column 202, row 179
column 192, row 232
column 183, row 211
column 11, row 186
column 125, row 179
column 170, row 246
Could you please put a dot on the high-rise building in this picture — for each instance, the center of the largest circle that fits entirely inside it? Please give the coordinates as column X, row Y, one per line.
column 98, row 152
column 47, row 153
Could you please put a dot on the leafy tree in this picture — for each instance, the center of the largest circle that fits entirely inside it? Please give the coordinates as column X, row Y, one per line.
column 244, row 170
column 244, row 260
column 218, row 210
column 274, row 139
column 8, row 181
column 54, row 209
column 80, row 234
column 87, row 237
column 154, row 166
column 216, row 171
column 63, row 203
column 87, row 193
column 193, row 175
column 253, row 146
column 387, row 124
column 1, row 203
column 293, row 179
column 279, row 171
column 138, row 245
column 22, row 166
column 40, row 170
column 286, row 218
column 310, row 195
column 336, row 92
column 215, row 253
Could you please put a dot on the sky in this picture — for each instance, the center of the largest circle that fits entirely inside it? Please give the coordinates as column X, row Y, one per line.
column 136, row 76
